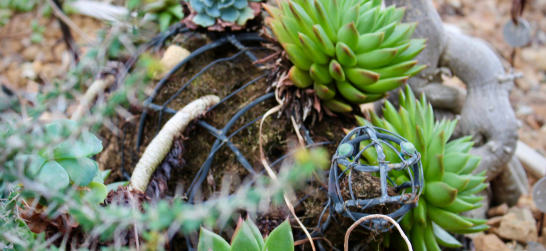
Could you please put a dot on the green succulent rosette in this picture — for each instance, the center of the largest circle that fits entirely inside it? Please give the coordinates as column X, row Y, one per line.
column 350, row 51
column 449, row 185
column 67, row 163
column 207, row 13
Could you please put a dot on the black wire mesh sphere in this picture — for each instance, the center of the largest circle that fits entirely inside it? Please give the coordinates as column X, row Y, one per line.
column 348, row 155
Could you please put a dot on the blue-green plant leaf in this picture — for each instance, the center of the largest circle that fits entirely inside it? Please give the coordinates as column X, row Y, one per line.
column 244, row 240
column 53, row 176
column 115, row 185
column 97, row 145
column 256, row 232
column 204, row 20
column 96, row 194
column 213, row 11
column 211, row 241
column 82, row 146
column 105, row 173
column 245, row 15
column 81, row 170
column 229, row 14
column 32, row 162
column 239, row 4
column 280, row 239
column 208, row 3
column 225, row 3
column 198, row 6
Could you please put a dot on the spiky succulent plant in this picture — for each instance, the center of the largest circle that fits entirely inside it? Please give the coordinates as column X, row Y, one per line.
column 449, row 185
column 247, row 237
column 207, row 13
column 351, row 51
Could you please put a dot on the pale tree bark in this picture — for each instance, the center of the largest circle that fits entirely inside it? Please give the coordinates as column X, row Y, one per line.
column 484, row 107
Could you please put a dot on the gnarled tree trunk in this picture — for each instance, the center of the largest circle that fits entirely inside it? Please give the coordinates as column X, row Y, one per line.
column 484, row 107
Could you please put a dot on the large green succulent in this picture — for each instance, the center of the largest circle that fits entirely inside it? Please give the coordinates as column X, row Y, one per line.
column 230, row 11
column 67, row 163
column 449, row 186
column 352, row 51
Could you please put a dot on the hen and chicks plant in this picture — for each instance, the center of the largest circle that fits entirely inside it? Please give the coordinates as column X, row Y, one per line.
column 207, row 13
column 350, row 51
column 449, row 185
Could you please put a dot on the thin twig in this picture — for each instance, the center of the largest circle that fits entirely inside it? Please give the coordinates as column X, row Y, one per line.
column 374, row 216
column 59, row 14
column 274, row 176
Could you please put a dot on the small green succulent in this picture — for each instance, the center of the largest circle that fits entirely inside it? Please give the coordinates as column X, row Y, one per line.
column 350, row 51
column 248, row 237
column 68, row 163
column 209, row 12
column 449, row 185
column 166, row 12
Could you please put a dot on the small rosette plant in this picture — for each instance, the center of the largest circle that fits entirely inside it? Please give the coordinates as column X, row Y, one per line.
column 67, row 163
column 349, row 51
column 248, row 237
column 227, row 13
column 166, row 12
column 449, row 185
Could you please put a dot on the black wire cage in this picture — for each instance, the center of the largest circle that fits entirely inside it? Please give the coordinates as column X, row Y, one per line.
column 348, row 155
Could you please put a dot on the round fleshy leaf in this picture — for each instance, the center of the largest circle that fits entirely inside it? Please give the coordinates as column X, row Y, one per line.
column 94, row 192
column 53, row 176
column 245, row 15
column 225, row 4
column 208, row 3
column 82, row 146
column 81, row 170
column 213, row 11
column 240, row 4
column 198, row 6
column 32, row 163
column 229, row 14
column 204, row 20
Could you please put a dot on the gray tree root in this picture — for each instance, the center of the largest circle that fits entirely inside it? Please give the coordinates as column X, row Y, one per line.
column 485, row 108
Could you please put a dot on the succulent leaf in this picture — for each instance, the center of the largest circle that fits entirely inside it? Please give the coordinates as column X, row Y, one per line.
column 449, row 186
column 363, row 45
column 231, row 12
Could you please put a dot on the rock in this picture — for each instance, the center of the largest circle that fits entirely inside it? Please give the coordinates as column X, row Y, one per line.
column 524, row 214
column 524, row 110
column 498, row 210
column 515, row 229
column 515, row 246
column 489, row 242
column 526, row 201
column 535, row 246
column 173, row 55
column 495, row 221
column 535, row 56
column 27, row 71
column 30, row 52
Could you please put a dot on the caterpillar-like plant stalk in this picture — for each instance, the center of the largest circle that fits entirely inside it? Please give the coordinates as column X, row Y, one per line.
column 161, row 144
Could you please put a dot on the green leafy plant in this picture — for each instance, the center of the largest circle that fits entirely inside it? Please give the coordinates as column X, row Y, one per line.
column 68, row 162
column 449, row 185
column 351, row 51
column 166, row 12
column 248, row 237
column 18, row 5
column 211, row 12
column 37, row 32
